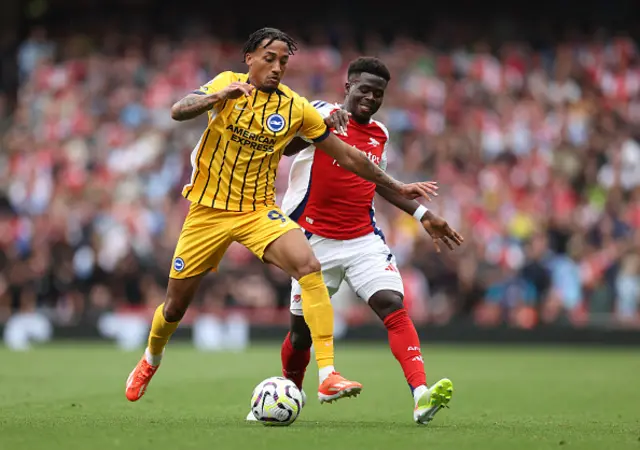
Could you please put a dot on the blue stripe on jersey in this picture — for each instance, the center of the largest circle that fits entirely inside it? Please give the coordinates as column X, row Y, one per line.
column 322, row 137
column 377, row 231
column 318, row 104
column 297, row 213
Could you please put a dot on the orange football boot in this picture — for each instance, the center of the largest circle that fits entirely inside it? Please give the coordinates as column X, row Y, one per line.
column 139, row 379
column 335, row 387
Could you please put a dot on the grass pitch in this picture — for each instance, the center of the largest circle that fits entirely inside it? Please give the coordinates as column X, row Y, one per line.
column 72, row 397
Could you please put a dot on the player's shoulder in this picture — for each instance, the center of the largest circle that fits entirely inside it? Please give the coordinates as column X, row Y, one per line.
column 228, row 76
column 380, row 126
column 322, row 105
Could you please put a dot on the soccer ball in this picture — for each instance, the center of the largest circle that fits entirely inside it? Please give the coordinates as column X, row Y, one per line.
column 276, row 401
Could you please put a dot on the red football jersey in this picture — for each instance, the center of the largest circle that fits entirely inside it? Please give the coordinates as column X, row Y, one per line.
column 326, row 199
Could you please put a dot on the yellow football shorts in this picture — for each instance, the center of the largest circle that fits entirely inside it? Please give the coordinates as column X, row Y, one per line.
column 208, row 232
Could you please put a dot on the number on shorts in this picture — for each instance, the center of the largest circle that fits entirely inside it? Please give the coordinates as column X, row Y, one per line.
column 276, row 215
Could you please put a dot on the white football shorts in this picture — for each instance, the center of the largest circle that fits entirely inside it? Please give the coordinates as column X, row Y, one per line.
column 366, row 263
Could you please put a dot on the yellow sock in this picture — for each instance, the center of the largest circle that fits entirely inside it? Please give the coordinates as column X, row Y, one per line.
column 318, row 313
column 161, row 331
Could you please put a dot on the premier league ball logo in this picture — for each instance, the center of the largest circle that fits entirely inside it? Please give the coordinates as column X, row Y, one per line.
column 275, row 122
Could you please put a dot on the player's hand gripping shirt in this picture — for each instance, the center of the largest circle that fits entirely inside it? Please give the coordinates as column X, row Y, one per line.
column 326, row 199
column 235, row 160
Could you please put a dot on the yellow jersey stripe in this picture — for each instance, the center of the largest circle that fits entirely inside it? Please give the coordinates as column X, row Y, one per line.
column 213, row 155
column 255, row 97
column 226, row 147
column 195, row 177
column 238, row 151
column 289, row 121
column 266, row 185
column 253, row 104
column 264, row 111
column 255, row 187
column 244, row 179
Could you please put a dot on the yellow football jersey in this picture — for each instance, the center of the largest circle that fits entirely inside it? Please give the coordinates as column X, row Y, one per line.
column 235, row 160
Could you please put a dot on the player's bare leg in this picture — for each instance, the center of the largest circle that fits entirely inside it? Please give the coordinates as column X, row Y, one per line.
column 293, row 254
column 405, row 346
column 165, row 321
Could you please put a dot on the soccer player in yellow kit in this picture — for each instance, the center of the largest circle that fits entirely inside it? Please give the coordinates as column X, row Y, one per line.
column 252, row 118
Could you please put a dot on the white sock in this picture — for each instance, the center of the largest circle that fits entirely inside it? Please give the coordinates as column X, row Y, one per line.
column 325, row 372
column 154, row 360
column 419, row 392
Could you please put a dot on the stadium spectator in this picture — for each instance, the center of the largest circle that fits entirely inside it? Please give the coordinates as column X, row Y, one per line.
column 534, row 150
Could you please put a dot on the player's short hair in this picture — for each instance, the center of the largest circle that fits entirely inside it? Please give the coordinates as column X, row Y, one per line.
column 271, row 34
column 369, row 64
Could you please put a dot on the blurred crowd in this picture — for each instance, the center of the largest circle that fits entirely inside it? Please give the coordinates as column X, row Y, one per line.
column 536, row 151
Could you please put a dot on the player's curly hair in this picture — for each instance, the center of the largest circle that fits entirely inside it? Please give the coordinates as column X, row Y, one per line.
column 272, row 34
column 369, row 64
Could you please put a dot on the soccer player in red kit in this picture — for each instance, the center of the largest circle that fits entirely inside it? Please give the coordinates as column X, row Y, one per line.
column 335, row 209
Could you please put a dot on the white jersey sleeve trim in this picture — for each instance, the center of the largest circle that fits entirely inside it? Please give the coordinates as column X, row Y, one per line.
column 383, row 158
column 297, row 193
column 324, row 108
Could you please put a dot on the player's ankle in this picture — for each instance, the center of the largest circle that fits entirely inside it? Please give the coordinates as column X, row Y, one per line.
column 419, row 391
column 324, row 373
column 154, row 360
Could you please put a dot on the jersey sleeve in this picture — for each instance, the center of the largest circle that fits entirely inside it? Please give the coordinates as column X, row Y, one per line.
column 313, row 127
column 384, row 156
column 325, row 109
column 221, row 81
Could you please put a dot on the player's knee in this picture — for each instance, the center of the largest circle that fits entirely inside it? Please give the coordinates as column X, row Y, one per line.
column 384, row 303
column 307, row 266
column 174, row 309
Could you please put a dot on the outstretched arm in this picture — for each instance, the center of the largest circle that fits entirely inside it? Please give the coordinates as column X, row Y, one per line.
column 436, row 226
column 295, row 146
column 195, row 104
column 337, row 120
column 397, row 200
column 357, row 162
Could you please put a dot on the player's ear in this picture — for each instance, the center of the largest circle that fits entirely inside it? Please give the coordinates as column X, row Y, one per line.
column 248, row 59
column 347, row 85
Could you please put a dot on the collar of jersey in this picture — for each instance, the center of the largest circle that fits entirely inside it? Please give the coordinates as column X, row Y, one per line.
column 277, row 91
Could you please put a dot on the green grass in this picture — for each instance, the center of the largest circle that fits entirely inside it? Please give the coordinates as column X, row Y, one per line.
column 72, row 397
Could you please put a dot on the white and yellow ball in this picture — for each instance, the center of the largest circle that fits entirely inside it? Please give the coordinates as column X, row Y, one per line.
column 276, row 401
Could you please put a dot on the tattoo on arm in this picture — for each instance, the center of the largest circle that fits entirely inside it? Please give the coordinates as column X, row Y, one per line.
column 365, row 168
column 192, row 106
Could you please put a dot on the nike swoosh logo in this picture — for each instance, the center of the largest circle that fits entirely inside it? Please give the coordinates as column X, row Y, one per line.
column 239, row 108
